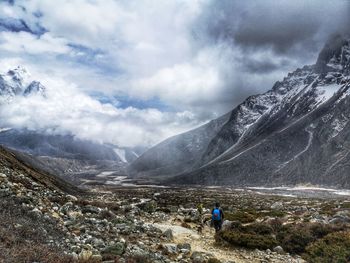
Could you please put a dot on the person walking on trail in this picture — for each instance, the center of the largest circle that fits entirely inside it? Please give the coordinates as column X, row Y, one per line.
column 217, row 217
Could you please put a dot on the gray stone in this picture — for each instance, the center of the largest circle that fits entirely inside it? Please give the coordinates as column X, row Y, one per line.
column 277, row 206
column 278, row 250
column 168, row 234
column 186, row 246
column 91, row 209
column 134, row 250
column 339, row 219
column 117, row 249
column 226, row 225
column 200, row 257
column 71, row 198
column 170, row 249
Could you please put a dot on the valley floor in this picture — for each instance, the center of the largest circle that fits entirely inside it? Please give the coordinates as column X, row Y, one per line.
column 163, row 224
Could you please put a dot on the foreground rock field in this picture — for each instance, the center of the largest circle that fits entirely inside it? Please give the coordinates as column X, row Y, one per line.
column 39, row 223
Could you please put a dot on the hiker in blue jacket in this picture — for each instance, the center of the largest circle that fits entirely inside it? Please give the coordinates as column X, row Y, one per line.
column 217, row 217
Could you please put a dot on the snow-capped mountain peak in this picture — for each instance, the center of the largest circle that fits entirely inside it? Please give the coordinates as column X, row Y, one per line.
column 18, row 82
column 293, row 133
column 35, row 87
column 19, row 75
column 334, row 56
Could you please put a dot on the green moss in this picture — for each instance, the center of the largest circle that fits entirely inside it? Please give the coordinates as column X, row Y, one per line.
column 345, row 205
column 334, row 247
column 249, row 240
column 294, row 238
column 258, row 228
column 273, row 213
column 255, row 235
column 328, row 209
column 240, row 216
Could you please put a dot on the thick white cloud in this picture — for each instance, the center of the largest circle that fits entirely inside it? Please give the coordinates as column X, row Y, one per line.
column 198, row 57
column 31, row 44
column 66, row 110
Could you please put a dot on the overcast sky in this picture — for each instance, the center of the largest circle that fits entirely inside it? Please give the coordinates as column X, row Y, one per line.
column 136, row 72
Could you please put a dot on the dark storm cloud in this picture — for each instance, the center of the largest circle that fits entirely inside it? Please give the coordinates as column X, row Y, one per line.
column 284, row 26
column 264, row 66
column 178, row 63
column 275, row 32
column 14, row 25
column 268, row 38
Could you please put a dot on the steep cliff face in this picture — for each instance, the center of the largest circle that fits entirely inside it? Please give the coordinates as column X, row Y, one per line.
column 294, row 133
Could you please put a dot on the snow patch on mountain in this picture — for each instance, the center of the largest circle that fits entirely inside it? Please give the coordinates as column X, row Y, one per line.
column 121, row 154
column 326, row 92
column 337, row 126
column 4, row 129
column 135, row 154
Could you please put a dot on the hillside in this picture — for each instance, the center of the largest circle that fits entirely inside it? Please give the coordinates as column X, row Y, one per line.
column 295, row 133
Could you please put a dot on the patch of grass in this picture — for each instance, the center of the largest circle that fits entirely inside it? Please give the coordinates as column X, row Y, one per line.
column 294, row 238
column 273, row 213
column 241, row 216
column 334, row 247
column 345, row 205
column 327, row 209
column 252, row 236
column 249, row 240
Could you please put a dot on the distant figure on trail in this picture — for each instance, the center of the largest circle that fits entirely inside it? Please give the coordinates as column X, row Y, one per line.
column 217, row 217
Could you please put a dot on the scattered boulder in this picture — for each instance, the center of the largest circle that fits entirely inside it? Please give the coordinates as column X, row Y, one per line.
column 116, row 249
column 184, row 246
column 90, row 209
column 85, row 254
column 226, row 225
column 168, row 234
column 278, row 250
column 148, row 206
column 340, row 217
column 170, row 249
column 277, row 206
column 71, row 198
column 199, row 257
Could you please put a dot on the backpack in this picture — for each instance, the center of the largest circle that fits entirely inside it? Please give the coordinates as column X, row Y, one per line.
column 216, row 214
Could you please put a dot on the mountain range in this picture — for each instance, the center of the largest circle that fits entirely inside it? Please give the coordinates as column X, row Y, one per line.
column 295, row 133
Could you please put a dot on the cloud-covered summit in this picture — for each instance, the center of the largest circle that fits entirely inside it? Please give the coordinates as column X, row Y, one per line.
column 170, row 64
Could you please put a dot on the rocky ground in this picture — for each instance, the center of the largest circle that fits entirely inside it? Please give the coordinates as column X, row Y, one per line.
column 119, row 224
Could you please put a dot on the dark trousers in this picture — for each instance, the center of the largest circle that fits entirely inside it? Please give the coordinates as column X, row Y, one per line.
column 217, row 225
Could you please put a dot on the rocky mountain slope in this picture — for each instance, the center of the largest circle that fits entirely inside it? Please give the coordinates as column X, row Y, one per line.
column 44, row 219
column 10, row 160
column 177, row 154
column 297, row 132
